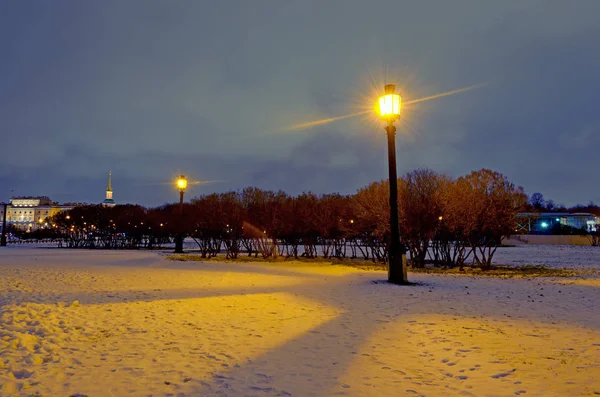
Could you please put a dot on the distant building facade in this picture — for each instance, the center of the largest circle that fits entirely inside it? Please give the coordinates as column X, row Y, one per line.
column 31, row 213
column 556, row 222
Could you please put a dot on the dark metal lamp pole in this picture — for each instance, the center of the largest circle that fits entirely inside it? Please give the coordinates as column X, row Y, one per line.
column 3, row 237
column 390, row 110
column 181, row 184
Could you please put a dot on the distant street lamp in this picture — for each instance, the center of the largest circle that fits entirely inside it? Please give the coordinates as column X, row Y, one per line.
column 389, row 109
column 182, row 185
column 3, row 236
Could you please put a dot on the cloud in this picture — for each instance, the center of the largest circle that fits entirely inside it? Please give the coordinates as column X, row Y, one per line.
column 148, row 88
column 586, row 137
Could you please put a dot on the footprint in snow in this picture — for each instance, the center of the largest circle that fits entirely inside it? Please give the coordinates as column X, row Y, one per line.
column 22, row 374
column 503, row 374
column 261, row 388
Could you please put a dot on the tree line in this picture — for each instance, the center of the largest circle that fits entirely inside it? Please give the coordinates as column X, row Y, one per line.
column 537, row 203
column 443, row 220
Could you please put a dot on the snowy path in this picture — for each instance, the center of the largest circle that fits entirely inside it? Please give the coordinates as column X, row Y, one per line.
column 135, row 324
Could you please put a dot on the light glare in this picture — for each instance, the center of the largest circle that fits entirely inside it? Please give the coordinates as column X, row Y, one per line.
column 389, row 105
column 311, row 124
column 182, row 183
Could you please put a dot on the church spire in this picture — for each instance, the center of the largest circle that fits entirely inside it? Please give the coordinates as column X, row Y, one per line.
column 109, row 187
column 109, row 202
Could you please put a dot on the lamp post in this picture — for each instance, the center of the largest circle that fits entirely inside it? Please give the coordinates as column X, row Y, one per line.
column 182, row 185
column 3, row 236
column 389, row 108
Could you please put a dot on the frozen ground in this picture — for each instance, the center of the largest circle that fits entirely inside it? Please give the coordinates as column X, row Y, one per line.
column 135, row 324
column 562, row 256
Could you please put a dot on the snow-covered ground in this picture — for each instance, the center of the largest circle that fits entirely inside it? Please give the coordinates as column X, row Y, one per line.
column 561, row 256
column 117, row 323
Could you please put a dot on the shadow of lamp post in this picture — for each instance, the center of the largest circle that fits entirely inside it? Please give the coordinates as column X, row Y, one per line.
column 181, row 185
column 389, row 109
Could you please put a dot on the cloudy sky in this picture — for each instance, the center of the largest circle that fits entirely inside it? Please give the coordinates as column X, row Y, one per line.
column 151, row 89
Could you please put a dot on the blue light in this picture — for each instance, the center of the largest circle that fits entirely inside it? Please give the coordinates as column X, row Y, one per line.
column 544, row 225
column 557, row 219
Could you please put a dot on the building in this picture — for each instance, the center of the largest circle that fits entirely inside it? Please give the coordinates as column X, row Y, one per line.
column 108, row 201
column 31, row 213
column 556, row 223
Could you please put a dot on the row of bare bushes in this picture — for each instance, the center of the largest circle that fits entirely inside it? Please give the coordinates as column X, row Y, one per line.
column 444, row 221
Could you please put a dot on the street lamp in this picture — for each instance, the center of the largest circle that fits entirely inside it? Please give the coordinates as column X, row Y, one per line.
column 3, row 236
column 389, row 109
column 181, row 185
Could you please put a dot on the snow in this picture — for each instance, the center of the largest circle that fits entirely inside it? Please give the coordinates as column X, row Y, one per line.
column 557, row 256
column 132, row 323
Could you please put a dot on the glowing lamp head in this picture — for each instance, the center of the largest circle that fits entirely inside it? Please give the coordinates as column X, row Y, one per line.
column 182, row 183
column 390, row 104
